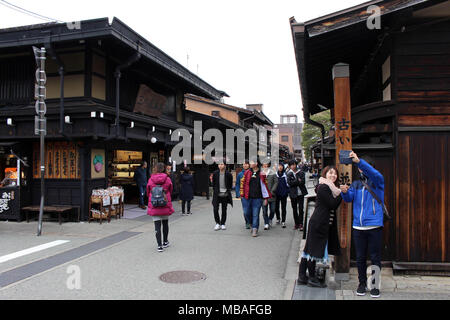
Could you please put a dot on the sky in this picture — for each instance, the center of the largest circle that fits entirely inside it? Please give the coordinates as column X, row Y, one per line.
column 243, row 47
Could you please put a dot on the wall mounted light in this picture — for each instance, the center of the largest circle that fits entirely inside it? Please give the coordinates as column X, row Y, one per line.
column 153, row 140
column 170, row 132
column 67, row 120
column 93, row 114
column 153, row 129
column 9, row 122
column 101, row 114
column 131, row 124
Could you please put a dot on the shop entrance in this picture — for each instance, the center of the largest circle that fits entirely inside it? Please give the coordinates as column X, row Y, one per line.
column 123, row 164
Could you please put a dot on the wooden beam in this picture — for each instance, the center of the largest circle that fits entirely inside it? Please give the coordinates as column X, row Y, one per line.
column 343, row 127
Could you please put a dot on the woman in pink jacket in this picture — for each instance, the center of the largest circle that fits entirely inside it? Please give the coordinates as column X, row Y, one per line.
column 160, row 207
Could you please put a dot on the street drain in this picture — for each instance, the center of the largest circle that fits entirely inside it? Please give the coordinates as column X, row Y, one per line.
column 182, row 276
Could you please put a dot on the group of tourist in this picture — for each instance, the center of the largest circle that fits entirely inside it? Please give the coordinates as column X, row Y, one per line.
column 269, row 188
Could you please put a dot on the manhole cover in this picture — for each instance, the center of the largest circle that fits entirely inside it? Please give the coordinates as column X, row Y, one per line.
column 182, row 276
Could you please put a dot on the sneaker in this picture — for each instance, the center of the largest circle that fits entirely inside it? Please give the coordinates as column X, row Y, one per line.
column 217, row 227
column 182, row 213
column 160, row 249
column 283, row 224
column 189, row 213
column 248, row 226
column 223, row 227
column 300, row 227
column 166, row 244
column 375, row 293
column 270, row 223
column 278, row 221
column 266, row 227
column 361, row 291
column 254, row 233
column 295, row 227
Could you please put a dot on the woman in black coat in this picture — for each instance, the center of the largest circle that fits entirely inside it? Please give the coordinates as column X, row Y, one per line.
column 322, row 228
column 186, row 190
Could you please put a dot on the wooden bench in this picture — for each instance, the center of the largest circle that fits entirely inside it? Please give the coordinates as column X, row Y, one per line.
column 60, row 210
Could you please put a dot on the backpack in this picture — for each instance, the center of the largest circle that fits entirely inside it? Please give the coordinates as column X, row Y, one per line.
column 159, row 198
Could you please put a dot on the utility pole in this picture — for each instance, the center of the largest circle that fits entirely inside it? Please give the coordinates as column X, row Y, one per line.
column 40, row 122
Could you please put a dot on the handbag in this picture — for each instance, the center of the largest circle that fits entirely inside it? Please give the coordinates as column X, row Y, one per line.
column 385, row 211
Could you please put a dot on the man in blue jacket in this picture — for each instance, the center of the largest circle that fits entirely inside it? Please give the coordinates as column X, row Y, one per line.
column 239, row 177
column 367, row 219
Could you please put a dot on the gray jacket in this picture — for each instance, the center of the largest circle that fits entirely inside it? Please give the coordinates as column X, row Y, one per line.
column 272, row 184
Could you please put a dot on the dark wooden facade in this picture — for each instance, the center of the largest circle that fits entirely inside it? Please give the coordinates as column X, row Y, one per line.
column 91, row 57
column 400, row 89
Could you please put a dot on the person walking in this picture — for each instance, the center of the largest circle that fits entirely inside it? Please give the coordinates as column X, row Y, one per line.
column 368, row 215
column 159, row 189
column 141, row 178
column 255, row 193
column 296, row 182
column 186, row 190
column 282, row 193
column 173, row 177
column 322, row 237
column 245, row 167
column 272, row 184
column 222, row 182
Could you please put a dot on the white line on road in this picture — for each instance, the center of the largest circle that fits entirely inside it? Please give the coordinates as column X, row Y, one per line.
column 22, row 253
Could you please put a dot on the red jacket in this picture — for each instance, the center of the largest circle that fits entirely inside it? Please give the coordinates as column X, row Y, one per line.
column 245, row 185
column 163, row 180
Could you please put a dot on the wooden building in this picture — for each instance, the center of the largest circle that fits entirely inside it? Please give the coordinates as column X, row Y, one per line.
column 400, row 112
column 113, row 99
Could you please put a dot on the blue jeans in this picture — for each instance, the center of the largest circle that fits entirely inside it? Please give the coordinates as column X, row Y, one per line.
column 244, row 209
column 253, row 208
column 266, row 217
column 142, row 190
column 367, row 241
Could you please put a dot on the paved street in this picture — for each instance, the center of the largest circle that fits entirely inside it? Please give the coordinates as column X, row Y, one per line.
column 118, row 260
column 126, row 265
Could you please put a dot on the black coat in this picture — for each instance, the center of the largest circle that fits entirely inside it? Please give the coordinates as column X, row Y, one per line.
column 216, row 186
column 141, row 176
column 175, row 184
column 186, row 187
column 319, row 228
column 294, row 181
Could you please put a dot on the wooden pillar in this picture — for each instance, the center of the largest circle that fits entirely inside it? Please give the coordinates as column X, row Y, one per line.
column 343, row 138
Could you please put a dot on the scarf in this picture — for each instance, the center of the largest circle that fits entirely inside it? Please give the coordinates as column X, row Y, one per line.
column 334, row 190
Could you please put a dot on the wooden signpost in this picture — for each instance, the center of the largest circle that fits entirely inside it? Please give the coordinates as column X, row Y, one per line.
column 343, row 129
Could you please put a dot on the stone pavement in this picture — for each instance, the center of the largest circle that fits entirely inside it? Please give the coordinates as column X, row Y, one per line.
column 119, row 260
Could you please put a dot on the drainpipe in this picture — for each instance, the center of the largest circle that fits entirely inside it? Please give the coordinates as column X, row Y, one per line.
column 117, row 74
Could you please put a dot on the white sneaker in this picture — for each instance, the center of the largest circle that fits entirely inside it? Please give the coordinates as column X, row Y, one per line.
column 266, row 227
column 223, row 227
column 217, row 227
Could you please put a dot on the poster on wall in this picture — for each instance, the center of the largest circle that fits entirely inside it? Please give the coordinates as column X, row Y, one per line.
column 97, row 163
column 61, row 161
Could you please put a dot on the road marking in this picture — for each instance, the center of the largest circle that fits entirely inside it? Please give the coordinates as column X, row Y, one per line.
column 25, row 252
column 12, row 276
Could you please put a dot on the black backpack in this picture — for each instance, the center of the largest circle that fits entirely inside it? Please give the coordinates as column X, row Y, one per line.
column 159, row 198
